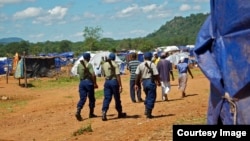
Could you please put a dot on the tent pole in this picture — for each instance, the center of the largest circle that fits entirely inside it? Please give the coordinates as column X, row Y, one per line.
column 24, row 67
column 7, row 72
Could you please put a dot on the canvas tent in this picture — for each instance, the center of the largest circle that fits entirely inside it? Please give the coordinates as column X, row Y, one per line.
column 171, row 49
column 74, row 68
column 95, row 61
column 222, row 51
column 175, row 57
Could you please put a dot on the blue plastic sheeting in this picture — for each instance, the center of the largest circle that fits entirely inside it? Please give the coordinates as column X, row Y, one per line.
column 222, row 50
column 4, row 62
column 67, row 54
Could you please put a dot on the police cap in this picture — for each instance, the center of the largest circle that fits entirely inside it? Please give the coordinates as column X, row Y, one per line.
column 148, row 55
column 112, row 56
column 86, row 55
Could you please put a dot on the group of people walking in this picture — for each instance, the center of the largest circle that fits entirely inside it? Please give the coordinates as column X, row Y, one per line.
column 87, row 85
column 146, row 76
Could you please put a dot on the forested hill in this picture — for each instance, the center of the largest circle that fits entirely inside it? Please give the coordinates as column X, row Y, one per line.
column 179, row 31
column 10, row 40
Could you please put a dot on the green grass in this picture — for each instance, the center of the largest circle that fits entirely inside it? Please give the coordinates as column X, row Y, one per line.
column 60, row 82
column 82, row 130
column 98, row 94
column 10, row 106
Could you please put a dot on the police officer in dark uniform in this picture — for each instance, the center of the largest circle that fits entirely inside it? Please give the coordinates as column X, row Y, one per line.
column 87, row 86
column 112, row 87
column 147, row 73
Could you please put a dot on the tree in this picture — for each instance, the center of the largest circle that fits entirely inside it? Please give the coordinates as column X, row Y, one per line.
column 64, row 46
column 92, row 35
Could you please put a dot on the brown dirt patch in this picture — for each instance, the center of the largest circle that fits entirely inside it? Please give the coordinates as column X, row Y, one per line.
column 48, row 115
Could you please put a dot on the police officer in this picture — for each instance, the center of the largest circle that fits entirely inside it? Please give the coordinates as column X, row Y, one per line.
column 148, row 74
column 112, row 87
column 86, row 86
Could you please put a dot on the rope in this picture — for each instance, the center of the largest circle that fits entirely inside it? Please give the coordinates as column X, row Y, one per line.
column 233, row 107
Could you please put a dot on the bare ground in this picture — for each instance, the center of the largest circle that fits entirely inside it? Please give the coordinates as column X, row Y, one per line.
column 48, row 115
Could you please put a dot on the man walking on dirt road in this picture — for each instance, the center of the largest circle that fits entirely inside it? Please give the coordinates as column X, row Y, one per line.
column 112, row 87
column 148, row 73
column 86, row 87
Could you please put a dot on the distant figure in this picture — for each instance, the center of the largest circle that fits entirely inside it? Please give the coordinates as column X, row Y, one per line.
column 86, row 87
column 100, row 66
column 132, row 65
column 112, row 87
column 164, row 68
column 183, row 68
column 148, row 73
column 156, row 58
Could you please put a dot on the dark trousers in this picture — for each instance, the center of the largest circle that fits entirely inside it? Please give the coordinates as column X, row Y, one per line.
column 86, row 89
column 149, row 88
column 133, row 91
column 111, row 88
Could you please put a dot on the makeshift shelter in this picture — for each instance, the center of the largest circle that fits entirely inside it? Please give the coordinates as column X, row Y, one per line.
column 2, row 65
column 140, row 56
column 222, row 51
column 36, row 67
column 5, row 65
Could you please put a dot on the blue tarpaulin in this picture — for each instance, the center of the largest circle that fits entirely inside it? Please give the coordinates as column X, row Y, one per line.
column 222, row 50
column 4, row 62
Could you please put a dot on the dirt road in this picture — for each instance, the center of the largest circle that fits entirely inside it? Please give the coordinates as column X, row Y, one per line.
column 32, row 114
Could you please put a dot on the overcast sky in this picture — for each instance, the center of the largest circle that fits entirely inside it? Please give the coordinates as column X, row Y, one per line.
column 56, row 20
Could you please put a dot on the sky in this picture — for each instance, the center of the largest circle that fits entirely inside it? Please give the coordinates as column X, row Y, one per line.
column 56, row 20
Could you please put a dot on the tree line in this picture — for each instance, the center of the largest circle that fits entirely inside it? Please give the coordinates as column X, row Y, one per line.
column 179, row 31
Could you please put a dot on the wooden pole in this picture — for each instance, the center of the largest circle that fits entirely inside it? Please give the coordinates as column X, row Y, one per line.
column 24, row 70
column 7, row 72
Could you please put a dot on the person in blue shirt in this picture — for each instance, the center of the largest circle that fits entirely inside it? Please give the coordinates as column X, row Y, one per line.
column 183, row 69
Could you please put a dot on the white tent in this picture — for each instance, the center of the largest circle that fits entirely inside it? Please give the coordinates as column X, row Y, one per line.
column 95, row 61
column 171, row 49
column 74, row 68
column 175, row 58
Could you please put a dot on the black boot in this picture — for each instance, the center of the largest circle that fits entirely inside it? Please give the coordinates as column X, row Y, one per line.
column 122, row 115
column 149, row 113
column 78, row 115
column 91, row 113
column 104, row 117
column 183, row 94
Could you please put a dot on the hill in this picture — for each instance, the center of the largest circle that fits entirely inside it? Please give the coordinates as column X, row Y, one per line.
column 10, row 40
column 179, row 31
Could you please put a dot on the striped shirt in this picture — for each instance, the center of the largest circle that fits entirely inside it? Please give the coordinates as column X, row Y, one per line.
column 132, row 65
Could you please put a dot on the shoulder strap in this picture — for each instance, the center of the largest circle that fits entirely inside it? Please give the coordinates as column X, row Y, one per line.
column 83, row 64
